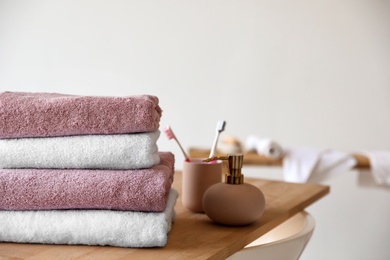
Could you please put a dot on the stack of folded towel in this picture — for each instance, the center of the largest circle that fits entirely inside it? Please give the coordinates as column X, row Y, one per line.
column 83, row 170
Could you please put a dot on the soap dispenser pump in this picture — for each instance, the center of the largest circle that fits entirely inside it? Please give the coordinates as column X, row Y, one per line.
column 233, row 202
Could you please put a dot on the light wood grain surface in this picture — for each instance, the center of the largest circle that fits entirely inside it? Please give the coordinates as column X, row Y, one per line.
column 193, row 236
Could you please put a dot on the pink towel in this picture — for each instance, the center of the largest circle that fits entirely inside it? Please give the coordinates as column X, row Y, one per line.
column 135, row 190
column 25, row 114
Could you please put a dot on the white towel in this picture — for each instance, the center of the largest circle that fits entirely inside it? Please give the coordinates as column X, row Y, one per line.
column 122, row 151
column 89, row 227
column 379, row 166
column 264, row 146
column 298, row 163
column 314, row 165
column 331, row 163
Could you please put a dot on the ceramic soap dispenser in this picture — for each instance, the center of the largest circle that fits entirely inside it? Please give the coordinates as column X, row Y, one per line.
column 233, row 202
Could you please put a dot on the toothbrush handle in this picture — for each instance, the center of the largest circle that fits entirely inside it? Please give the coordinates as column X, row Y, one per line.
column 185, row 154
column 214, row 145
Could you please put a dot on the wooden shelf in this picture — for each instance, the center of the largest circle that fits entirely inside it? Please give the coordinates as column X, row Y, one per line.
column 253, row 158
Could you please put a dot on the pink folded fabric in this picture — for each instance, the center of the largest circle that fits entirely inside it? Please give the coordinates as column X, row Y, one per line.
column 25, row 114
column 41, row 189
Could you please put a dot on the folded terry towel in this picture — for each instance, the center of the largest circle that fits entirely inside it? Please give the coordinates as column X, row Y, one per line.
column 36, row 189
column 25, row 114
column 89, row 227
column 124, row 151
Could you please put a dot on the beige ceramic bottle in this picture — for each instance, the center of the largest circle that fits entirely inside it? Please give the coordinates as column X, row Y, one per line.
column 233, row 202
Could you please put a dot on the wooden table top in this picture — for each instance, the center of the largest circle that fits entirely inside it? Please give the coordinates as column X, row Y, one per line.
column 193, row 236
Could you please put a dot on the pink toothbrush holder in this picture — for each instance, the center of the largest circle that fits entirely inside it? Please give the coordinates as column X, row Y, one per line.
column 197, row 177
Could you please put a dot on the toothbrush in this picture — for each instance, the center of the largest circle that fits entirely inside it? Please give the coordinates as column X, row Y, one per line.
column 220, row 127
column 168, row 131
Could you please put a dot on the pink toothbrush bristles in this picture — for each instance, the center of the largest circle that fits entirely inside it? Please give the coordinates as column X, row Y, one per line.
column 169, row 133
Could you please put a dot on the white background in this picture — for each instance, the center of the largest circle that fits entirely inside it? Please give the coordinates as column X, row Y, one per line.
column 305, row 73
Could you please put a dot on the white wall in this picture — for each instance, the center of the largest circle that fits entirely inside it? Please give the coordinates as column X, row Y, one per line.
column 302, row 72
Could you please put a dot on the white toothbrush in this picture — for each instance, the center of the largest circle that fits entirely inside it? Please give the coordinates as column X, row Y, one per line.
column 220, row 127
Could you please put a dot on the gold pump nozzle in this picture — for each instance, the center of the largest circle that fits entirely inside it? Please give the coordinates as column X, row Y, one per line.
column 235, row 161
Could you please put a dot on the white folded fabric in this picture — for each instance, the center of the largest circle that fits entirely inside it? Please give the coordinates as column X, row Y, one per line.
column 314, row 165
column 264, row 146
column 89, row 227
column 331, row 164
column 379, row 166
column 298, row 163
column 122, row 151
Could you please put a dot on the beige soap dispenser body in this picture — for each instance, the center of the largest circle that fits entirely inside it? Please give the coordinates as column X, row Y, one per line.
column 233, row 202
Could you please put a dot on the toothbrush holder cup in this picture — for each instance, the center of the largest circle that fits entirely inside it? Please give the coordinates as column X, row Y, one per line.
column 197, row 177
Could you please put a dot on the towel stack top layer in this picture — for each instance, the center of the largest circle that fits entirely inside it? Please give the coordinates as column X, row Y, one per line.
column 24, row 114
